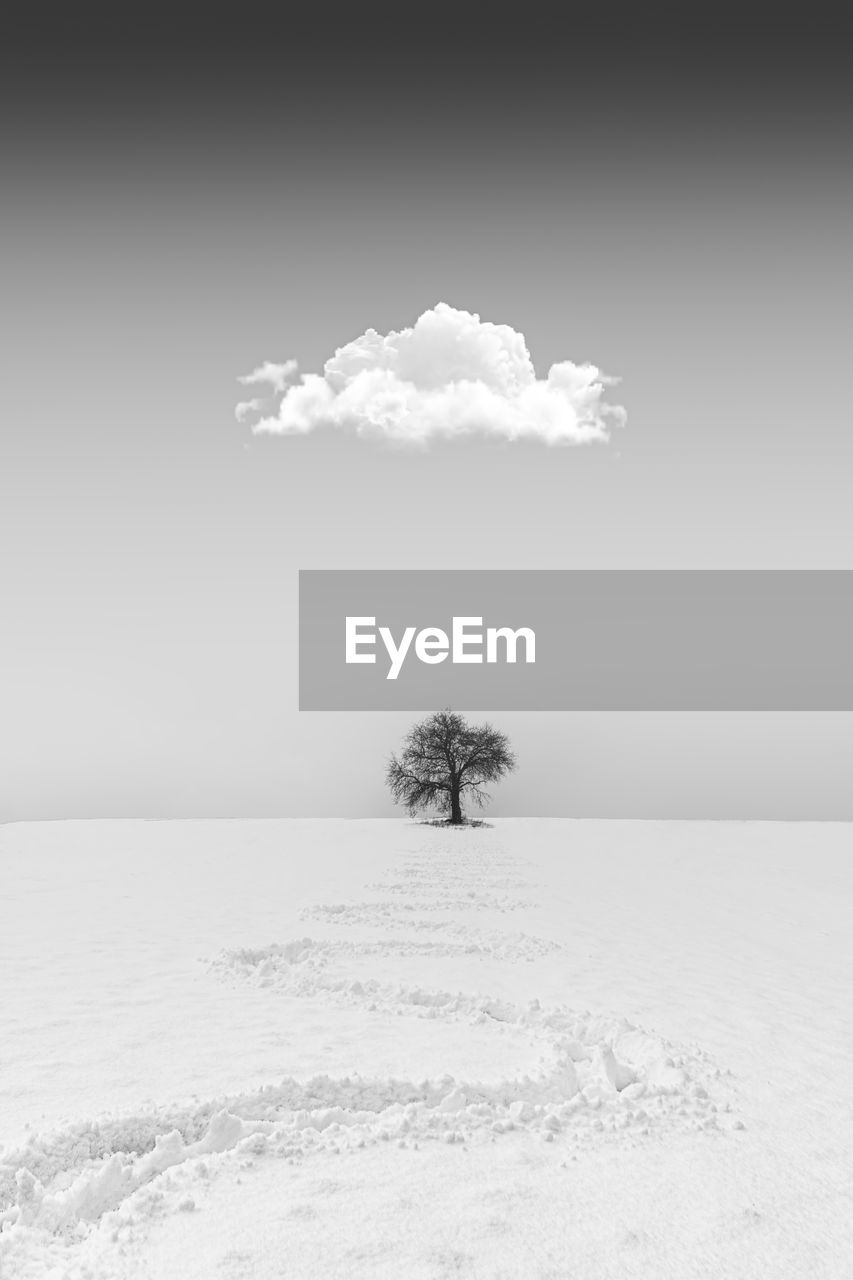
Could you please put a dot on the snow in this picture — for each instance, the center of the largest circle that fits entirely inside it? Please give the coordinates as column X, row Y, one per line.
column 538, row 1048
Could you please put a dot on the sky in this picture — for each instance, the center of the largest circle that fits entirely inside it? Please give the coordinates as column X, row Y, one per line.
column 667, row 201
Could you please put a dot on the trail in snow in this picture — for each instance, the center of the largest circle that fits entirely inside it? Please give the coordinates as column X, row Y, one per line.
column 459, row 940
column 597, row 1075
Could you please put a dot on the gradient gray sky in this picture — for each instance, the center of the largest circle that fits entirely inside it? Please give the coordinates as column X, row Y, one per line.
column 179, row 206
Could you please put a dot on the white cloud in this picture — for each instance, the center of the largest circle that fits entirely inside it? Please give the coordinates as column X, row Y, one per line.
column 450, row 375
column 246, row 408
column 269, row 374
column 275, row 375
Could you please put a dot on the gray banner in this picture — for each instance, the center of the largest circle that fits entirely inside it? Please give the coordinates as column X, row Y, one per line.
column 706, row 640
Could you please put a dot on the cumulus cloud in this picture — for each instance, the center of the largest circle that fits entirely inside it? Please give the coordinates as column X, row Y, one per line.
column 269, row 374
column 450, row 375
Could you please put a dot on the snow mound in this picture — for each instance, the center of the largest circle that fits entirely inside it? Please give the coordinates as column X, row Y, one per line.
column 372, row 911
column 604, row 1075
column 417, row 880
column 458, row 940
column 600, row 1058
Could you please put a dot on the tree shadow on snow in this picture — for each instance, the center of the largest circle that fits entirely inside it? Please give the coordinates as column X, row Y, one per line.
column 453, row 826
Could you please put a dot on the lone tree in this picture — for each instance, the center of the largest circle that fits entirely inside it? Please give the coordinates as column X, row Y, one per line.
column 445, row 760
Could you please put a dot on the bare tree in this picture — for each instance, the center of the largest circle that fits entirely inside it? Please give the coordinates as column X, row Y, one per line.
column 445, row 761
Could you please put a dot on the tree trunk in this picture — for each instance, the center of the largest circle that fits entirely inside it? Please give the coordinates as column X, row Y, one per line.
column 455, row 804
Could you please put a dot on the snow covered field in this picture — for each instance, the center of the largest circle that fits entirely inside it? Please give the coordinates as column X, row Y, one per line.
column 540, row 1048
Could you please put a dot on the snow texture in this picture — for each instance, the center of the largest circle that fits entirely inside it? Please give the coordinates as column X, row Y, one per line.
column 591, row 1143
